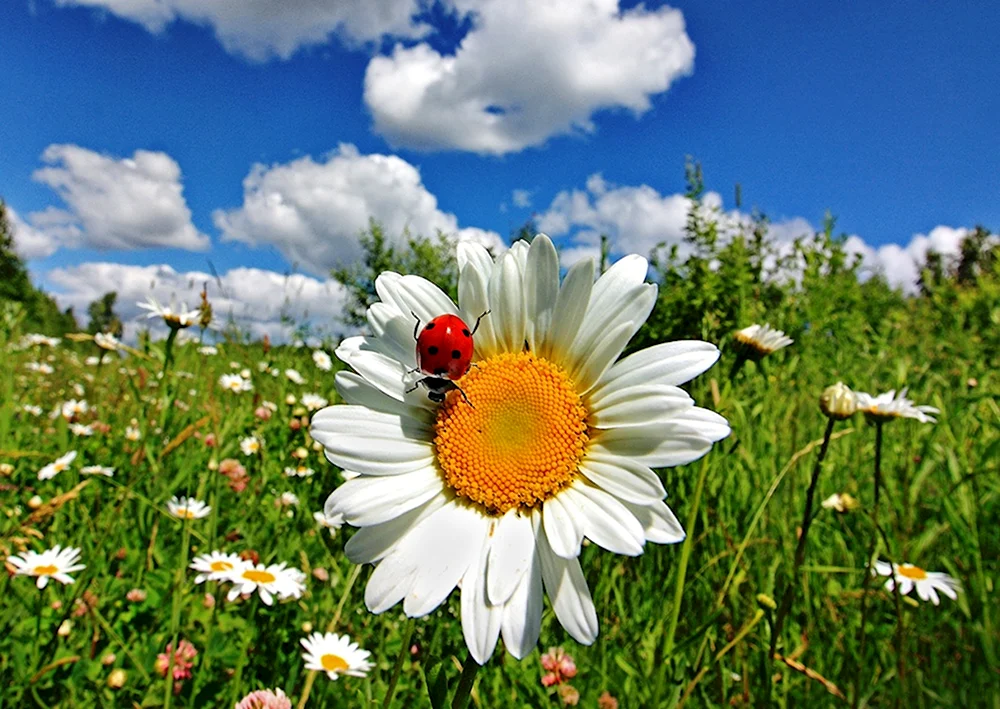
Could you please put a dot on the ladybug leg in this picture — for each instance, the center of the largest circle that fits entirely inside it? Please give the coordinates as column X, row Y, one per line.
column 413, row 388
column 460, row 391
column 416, row 328
column 478, row 320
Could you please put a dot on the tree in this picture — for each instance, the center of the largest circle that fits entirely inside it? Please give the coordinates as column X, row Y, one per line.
column 103, row 317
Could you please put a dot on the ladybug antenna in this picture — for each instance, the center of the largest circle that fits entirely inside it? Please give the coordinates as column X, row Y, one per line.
column 416, row 328
column 478, row 320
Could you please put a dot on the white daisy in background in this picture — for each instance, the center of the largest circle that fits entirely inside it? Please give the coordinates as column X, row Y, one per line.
column 270, row 405
column 300, row 471
column 78, row 429
column 78, row 389
column 250, row 445
column 294, row 377
column 55, row 563
column 314, row 402
column 336, row 655
column 235, row 383
column 758, row 341
column 36, row 340
column 98, row 470
column 274, row 580
column 74, row 408
column 39, row 367
column 927, row 583
column 107, row 341
column 557, row 444
column 840, row 502
column 133, row 433
column 322, row 360
column 175, row 318
column 31, row 409
column 288, row 499
column 92, row 361
column 886, row 407
column 208, row 350
column 331, row 522
column 217, row 566
column 59, row 465
column 188, row 508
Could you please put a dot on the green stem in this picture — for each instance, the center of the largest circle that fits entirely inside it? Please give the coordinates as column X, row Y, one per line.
column 175, row 614
column 465, row 683
column 397, row 668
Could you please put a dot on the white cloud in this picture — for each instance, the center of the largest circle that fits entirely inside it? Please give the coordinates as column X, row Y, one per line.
column 30, row 242
column 521, row 198
column 314, row 211
column 901, row 264
column 528, row 70
column 257, row 300
column 263, row 29
column 113, row 203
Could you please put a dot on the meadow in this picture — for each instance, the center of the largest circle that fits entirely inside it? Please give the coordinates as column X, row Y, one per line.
column 688, row 624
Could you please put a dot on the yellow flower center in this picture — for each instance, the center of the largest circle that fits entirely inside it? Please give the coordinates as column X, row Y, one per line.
column 912, row 572
column 521, row 440
column 333, row 663
column 220, row 566
column 185, row 513
column 47, row 570
column 259, row 576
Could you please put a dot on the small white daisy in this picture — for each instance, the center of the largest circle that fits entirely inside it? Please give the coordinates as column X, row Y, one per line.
column 80, row 429
column 132, row 433
column 760, row 340
column 889, row 406
column 336, row 655
column 31, row 409
column 288, row 499
column 322, row 360
column 217, row 566
column 331, row 522
column 840, row 502
column 36, row 340
column 39, row 367
column 56, row 467
column 250, row 445
column 299, row 472
column 235, row 383
column 188, row 508
column 208, row 350
column 314, row 402
column 175, row 318
column 92, row 361
column 294, row 377
column 74, row 408
column 56, row 563
column 269, row 581
column 927, row 583
column 98, row 470
column 107, row 341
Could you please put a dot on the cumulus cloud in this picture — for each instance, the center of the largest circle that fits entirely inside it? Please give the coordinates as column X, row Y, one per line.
column 521, row 198
column 264, row 29
column 900, row 265
column 112, row 203
column 258, row 301
column 526, row 71
column 30, row 242
column 313, row 212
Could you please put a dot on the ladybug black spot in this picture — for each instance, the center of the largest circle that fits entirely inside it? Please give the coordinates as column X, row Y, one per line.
column 429, row 326
column 455, row 354
column 432, row 350
column 465, row 331
column 440, row 370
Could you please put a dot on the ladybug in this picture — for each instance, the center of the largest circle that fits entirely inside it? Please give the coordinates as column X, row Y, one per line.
column 444, row 354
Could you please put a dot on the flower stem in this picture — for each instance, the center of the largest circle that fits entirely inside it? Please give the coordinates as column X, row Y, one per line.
column 398, row 667
column 175, row 614
column 800, row 549
column 465, row 682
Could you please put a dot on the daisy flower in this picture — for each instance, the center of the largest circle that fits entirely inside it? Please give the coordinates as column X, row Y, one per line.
column 98, row 470
column 132, row 433
column 322, row 360
column 188, row 508
column 927, row 583
column 336, row 655
column 333, row 523
column 56, row 563
column 34, row 339
column 886, row 407
column 216, row 566
column 56, row 467
column 555, row 443
column 32, row 409
column 175, row 319
column 300, row 471
column 250, row 445
column 39, row 367
column 840, row 502
column 265, row 699
column 74, row 408
column 235, row 383
column 208, row 350
column 107, row 341
column 757, row 341
column 288, row 499
column 80, row 429
column 314, row 402
column 269, row 581
column 294, row 377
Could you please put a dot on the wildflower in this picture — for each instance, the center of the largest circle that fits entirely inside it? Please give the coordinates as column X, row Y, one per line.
column 268, row 581
column 559, row 666
column 270, row 405
column 840, row 502
column 606, row 701
column 300, row 453
column 323, row 575
column 65, row 628
column 188, row 508
column 322, row 360
column 39, row 367
column 336, row 655
column 555, row 443
column 92, row 361
column 265, row 699
column 237, row 474
column 245, row 373
column 98, row 470
column 332, row 522
column 132, row 433
column 288, row 499
column 208, row 350
column 570, row 696
column 250, row 445
column 204, row 309
column 116, row 680
column 56, row 563
column 176, row 319
column 294, row 377
column 78, row 429
column 35, row 502
column 235, row 383
column 838, row 401
column 215, row 566
column 107, row 341
column 886, row 407
column 314, row 402
column 6, row 469
column 31, row 409
column 136, row 595
column 74, row 409
column 758, row 341
column 290, row 400
column 186, row 652
column 263, row 413
column 109, row 659
column 56, row 467
column 927, row 583
column 300, row 471
column 37, row 340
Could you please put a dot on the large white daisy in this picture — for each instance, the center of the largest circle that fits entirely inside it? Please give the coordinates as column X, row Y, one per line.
column 55, row 563
column 927, row 583
column 557, row 444
column 890, row 405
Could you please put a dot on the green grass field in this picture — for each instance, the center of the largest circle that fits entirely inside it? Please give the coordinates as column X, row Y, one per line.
column 681, row 624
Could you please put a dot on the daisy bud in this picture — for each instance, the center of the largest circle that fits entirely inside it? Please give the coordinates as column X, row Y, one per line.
column 116, row 680
column 208, row 601
column 321, row 574
column 213, row 465
column 6, row 469
column 307, row 627
column 136, row 595
column 35, row 502
column 290, row 399
column 108, row 659
column 766, row 601
column 838, row 402
column 65, row 629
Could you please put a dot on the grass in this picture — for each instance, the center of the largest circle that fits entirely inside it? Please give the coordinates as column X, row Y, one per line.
column 682, row 624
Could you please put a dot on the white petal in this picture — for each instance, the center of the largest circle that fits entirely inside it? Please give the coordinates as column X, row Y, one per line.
column 507, row 304
column 522, row 615
column 394, row 332
column 657, row 445
column 366, row 501
column 476, row 256
column 474, row 300
column 370, row 544
column 415, row 294
column 355, row 390
column 480, row 620
column 511, row 553
column 631, row 406
column 541, row 288
column 567, row 589
column 606, row 521
column 658, row 521
column 623, row 477
column 389, row 583
column 571, row 306
column 357, row 438
column 559, row 516
column 669, row 364
column 708, row 423
column 379, row 369
column 595, row 359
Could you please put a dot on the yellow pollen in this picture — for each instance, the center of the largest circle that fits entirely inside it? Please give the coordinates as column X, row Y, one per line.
column 521, row 440
column 46, row 570
column 259, row 576
column 333, row 663
column 185, row 513
column 220, row 566
column 912, row 572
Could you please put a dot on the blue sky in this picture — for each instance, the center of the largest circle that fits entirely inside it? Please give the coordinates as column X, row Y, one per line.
column 883, row 114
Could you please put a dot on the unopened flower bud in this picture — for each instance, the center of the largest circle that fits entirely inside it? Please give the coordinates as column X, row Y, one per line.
column 307, row 627
column 108, row 659
column 64, row 629
column 35, row 502
column 766, row 601
column 838, row 402
column 116, row 680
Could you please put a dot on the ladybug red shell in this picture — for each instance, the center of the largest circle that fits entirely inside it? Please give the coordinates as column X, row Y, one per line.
column 444, row 348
